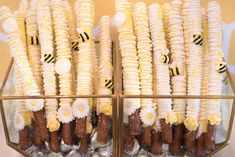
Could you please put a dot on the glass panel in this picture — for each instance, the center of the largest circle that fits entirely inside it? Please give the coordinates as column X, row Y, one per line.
column 9, row 89
column 171, row 133
column 95, row 147
column 99, row 139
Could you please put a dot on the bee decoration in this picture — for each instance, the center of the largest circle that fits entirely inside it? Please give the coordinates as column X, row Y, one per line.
column 49, row 58
column 221, row 67
column 165, row 59
column 175, row 71
column 83, row 36
column 75, row 45
column 34, row 40
column 198, row 39
column 109, row 84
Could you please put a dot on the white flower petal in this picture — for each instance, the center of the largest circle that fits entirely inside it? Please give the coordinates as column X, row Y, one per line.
column 148, row 116
column 131, row 105
column 34, row 104
column 19, row 122
column 81, row 108
column 65, row 114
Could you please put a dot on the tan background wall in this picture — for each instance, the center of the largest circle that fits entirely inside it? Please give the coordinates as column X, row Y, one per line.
column 106, row 7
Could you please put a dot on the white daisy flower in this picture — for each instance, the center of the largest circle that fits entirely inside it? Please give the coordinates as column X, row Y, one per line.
column 148, row 116
column 131, row 105
column 19, row 122
column 34, row 104
column 65, row 114
column 81, row 108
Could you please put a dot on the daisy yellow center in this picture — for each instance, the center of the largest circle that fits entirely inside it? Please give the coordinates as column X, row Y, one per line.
column 17, row 120
column 149, row 116
column 81, row 108
column 66, row 113
column 34, row 103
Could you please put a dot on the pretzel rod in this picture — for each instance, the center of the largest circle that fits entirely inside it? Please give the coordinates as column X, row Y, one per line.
column 54, row 141
column 164, row 108
column 190, row 139
column 128, row 139
column 194, row 68
column 210, row 137
column 178, row 138
column 200, row 148
column 131, row 82
column 41, row 132
column 178, row 81
column 144, row 50
column 73, row 38
column 67, row 132
column 156, row 147
column 24, row 138
column 105, row 78
column 82, row 107
column 217, row 71
column 63, row 67
column 47, row 61
column 18, row 50
column 102, row 129
column 84, row 143
column 22, row 117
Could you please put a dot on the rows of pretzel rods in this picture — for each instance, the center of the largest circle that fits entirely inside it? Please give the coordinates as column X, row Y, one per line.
column 185, row 41
column 173, row 49
column 55, row 55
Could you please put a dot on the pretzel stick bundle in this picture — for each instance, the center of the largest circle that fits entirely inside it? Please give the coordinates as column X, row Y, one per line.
column 34, row 53
column 131, row 83
column 193, row 29
column 178, row 80
column 217, row 69
column 11, row 28
column 49, row 76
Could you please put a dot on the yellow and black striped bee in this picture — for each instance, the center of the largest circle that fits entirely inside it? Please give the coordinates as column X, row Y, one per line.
column 221, row 67
column 165, row 59
column 175, row 71
column 83, row 37
column 49, row 58
column 198, row 39
column 34, row 40
column 75, row 45
column 109, row 84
